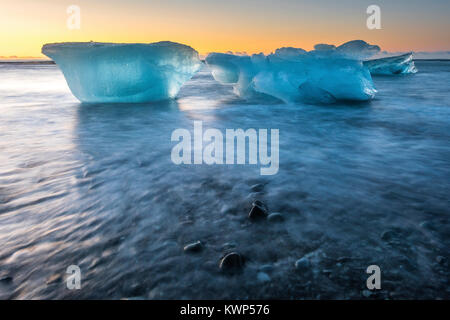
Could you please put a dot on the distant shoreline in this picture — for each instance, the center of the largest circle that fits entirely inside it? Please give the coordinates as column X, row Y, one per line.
column 50, row 62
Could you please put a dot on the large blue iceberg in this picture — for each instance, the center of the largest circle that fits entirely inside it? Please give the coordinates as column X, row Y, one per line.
column 109, row 72
column 403, row 64
column 323, row 75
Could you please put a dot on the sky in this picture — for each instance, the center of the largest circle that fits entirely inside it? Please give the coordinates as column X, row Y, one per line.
column 250, row 26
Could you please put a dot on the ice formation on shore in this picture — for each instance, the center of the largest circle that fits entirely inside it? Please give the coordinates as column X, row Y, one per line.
column 110, row 72
column 323, row 75
column 403, row 64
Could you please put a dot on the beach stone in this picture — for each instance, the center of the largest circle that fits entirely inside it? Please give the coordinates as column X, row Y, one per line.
column 231, row 261
column 257, row 187
column 302, row 264
column 387, row 236
column 257, row 213
column 428, row 225
column 266, row 268
column 229, row 245
column 393, row 236
column 261, row 204
column 440, row 259
column 367, row 293
column 275, row 217
column 263, row 277
column 193, row 247
column 227, row 209
column 5, row 278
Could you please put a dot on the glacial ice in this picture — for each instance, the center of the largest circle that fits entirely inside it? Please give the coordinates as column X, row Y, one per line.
column 323, row 75
column 110, row 72
column 392, row 65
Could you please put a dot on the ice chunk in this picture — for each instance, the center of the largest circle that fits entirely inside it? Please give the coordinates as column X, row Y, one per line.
column 323, row 75
column 392, row 65
column 110, row 72
column 358, row 49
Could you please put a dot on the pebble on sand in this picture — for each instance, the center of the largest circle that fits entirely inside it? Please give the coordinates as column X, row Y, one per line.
column 261, row 204
column 275, row 217
column 193, row 247
column 366, row 293
column 54, row 279
column 263, row 277
column 231, row 261
column 257, row 213
column 302, row 264
column 5, row 278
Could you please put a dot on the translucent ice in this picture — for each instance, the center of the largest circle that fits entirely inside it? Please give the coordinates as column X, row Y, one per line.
column 323, row 75
column 109, row 72
column 392, row 65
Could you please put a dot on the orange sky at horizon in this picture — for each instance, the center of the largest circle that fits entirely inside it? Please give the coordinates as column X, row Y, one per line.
column 240, row 26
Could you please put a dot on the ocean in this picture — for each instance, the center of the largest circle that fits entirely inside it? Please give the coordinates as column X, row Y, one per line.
column 94, row 186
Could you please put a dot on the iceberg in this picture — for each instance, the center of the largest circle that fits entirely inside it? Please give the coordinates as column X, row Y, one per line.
column 110, row 72
column 323, row 75
column 403, row 64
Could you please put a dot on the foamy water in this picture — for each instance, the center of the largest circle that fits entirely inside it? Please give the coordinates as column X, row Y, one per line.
column 94, row 186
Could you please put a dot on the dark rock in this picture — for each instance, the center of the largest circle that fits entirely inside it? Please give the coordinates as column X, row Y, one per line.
column 266, row 268
column 302, row 264
column 275, row 217
column 387, row 236
column 263, row 277
column 229, row 245
column 193, row 247
column 231, row 262
column 4, row 278
column 366, row 293
column 261, row 204
column 395, row 235
column 257, row 213
column 227, row 209
column 257, row 187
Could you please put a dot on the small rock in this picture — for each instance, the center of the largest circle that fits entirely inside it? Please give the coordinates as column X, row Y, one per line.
column 193, row 247
column 257, row 187
column 343, row 259
column 275, row 217
column 257, row 213
column 229, row 245
column 134, row 298
column 4, row 278
column 327, row 271
column 263, row 277
column 186, row 222
column 302, row 264
column 231, row 261
column 266, row 268
column 54, row 279
column 428, row 225
column 261, row 204
column 227, row 209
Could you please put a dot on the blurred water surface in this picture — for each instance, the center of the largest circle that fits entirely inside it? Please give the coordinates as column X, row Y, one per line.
column 94, row 186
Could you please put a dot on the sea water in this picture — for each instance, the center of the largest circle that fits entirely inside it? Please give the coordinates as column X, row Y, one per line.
column 93, row 185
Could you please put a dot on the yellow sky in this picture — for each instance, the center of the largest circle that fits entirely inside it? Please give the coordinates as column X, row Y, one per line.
column 210, row 25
